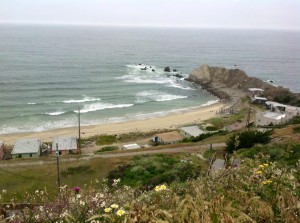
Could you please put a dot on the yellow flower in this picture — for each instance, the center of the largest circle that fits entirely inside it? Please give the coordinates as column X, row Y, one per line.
column 265, row 164
column 264, row 182
column 163, row 187
column 107, row 210
column 261, row 166
column 160, row 187
column 157, row 188
column 258, row 172
column 114, row 206
column 120, row 212
column 269, row 181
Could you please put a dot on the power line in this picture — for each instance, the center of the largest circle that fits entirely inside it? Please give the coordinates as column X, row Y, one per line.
column 29, row 178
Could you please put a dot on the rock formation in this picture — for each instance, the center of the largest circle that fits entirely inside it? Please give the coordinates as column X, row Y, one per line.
column 167, row 69
column 234, row 83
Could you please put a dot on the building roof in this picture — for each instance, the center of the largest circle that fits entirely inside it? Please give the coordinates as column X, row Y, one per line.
column 275, row 104
column 132, row 146
column 274, row 115
column 260, row 98
column 25, row 146
column 255, row 89
column 170, row 137
column 65, row 143
column 192, row 130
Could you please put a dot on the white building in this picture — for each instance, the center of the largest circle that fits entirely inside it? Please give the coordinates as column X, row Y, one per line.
column 190, row 131
column 131, row 146
column 279, row 114
column 26, row 148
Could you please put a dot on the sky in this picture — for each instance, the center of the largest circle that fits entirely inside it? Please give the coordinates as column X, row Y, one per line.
column 258, row 14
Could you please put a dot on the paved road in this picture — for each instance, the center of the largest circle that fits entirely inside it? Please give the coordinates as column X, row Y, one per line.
column 187, row 149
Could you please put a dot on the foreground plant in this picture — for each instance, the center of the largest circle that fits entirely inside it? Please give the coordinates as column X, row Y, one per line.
column 256, row 191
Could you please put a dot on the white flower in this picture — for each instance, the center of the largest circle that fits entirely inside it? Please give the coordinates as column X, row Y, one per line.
column 4, row 191
column 82, row 203
column 78, row 196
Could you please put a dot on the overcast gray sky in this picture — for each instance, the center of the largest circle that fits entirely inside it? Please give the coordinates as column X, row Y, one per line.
column 172, row 13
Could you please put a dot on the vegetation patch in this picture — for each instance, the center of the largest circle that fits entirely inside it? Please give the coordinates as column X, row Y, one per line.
column 148, row 171
column 107, row 148
column 247, row 139
column 202, row 136
column 84, row 169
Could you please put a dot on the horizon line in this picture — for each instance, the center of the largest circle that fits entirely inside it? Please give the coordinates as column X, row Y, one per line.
column 149, row 26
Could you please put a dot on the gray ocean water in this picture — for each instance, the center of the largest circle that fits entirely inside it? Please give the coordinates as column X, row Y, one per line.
column 47, row 73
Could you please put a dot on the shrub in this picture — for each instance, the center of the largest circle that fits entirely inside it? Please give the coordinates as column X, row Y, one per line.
column 247, row 139
column 106, row 140
column 107, row 148
column 211, row 128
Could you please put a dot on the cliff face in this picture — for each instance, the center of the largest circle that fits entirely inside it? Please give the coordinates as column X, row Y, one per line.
column 234, row 83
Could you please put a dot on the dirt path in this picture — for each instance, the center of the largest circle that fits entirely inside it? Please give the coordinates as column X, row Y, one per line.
column 188, row 149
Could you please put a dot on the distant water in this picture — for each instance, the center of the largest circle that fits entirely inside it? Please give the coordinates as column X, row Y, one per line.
column 47, row 73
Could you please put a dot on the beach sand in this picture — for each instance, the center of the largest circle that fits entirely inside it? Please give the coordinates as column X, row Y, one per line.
column 172, row 121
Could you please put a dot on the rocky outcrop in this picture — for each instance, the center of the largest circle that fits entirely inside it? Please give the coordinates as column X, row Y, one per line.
column 167, row 69
column 231, row 84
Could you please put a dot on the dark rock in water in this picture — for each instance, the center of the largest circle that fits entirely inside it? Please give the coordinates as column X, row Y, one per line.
column 145, row 68
column 167, row 69
column 178, row 75
column 153, row 70
column 174, row 70
column 140, row 64
column 150, row 66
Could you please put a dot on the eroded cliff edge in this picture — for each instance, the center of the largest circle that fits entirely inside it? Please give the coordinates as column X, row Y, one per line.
column 232, row 84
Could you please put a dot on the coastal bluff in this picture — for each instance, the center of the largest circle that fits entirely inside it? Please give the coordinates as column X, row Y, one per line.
column 232, row 84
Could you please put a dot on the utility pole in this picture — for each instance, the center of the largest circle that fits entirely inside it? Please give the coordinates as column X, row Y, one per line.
column 248, row 118
column 57, row 164
column 79, row 146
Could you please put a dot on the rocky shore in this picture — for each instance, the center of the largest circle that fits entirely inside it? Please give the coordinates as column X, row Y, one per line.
column 230, row 85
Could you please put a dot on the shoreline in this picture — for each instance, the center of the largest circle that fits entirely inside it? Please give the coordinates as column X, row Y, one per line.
column 168, row 122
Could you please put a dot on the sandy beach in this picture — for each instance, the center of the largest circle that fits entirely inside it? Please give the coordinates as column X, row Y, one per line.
column 172, row 121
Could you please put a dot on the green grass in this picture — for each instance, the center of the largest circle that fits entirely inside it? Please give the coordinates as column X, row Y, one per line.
column 107, row 149
column 38, row 177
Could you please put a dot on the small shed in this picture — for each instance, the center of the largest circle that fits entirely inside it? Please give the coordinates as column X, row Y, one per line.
column 26, row 148
column 168, row 138
column 259, row 100
column 1, row 150
column 65, row 145
column 255, row 92
column 131, row 146
column 190, row 131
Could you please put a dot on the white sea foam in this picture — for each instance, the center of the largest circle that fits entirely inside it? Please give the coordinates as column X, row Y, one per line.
column 101, row 106
column 55, row 113
column 146, row 96
column 210, row 103
column 31, row 103
column 85, row 99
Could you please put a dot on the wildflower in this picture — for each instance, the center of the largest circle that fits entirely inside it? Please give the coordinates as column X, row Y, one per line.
column 107, row 210
column 4, row 191
column 114, row 206
column 160, row 187
column 76, row 189
column 37, row 191
column 95, row 221
column 261, row 166
column 157, row 188
column 78, row 196
column 258, row 172
column 120, row 212
column 82, row 203
column 163, row 187
column 265, row 164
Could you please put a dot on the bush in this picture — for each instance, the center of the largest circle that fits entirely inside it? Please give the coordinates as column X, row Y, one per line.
column 148, row 171
column 211, row 128
column 247, row 139
column 202, row 136
column 105, row 140
column 107, row 148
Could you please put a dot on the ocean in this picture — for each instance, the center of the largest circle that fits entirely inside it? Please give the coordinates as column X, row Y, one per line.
column 48, row 73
